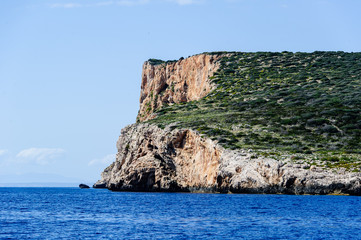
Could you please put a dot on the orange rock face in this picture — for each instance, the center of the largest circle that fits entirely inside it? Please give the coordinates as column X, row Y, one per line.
column 175, row 82
column 181, row 160
column 153, row 159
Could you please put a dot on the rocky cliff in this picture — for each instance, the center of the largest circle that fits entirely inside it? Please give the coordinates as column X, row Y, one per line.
column 154, row 159
column 194, row 159
column 171, row 82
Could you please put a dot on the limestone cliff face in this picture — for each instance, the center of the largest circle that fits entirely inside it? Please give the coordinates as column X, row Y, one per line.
column 174, row 82
column 154, row 159
column 171, row 159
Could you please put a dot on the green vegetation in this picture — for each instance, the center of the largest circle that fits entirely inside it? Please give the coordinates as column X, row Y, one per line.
column 154, row 61
column 302, row 103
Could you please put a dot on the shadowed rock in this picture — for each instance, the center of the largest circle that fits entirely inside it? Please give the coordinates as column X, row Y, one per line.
column 181, row 160
column 153, row 159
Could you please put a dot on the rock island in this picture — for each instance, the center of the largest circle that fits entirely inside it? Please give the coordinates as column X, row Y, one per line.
column 236, row 122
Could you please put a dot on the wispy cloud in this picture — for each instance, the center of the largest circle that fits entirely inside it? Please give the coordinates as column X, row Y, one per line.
column 103, row 161
column 40, row 156
column 99, row 4
column 65, row 5
column 186, row 2
column 119, row 3
column 3, row 151
column 131, row 3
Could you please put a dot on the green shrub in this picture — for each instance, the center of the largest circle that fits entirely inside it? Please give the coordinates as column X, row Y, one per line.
column 287, row 101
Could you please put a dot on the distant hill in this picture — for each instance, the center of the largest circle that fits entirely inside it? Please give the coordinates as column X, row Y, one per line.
column 39, row 184
column 38, row 180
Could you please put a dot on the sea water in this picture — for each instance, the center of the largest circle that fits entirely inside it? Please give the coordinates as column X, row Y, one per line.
column 71, row 213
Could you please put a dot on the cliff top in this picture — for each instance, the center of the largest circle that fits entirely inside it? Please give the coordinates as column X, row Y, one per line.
column 154, row 61
column 295, row 102
column 291, row 123
column 168, row 82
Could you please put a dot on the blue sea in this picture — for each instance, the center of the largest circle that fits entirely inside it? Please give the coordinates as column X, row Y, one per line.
column 72, row 213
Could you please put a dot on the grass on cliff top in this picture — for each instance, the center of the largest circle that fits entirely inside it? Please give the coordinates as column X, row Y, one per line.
column 154, row 61
column 294, row 102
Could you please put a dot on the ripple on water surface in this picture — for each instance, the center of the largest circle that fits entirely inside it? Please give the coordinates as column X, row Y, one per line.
column 72, row 213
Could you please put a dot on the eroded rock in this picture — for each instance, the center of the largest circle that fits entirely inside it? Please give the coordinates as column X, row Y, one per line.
column 154, row 159
column 174, row 82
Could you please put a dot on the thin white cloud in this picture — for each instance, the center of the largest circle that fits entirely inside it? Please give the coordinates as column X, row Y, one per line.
column 100, row 4
column 131, row 3
column 66, row 5
column 3, row 151
column 40, row 156
column 108, row 159
column 120, row 3
column 186, row 2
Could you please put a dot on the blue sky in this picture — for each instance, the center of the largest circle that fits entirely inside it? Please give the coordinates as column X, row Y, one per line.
column 70, row 70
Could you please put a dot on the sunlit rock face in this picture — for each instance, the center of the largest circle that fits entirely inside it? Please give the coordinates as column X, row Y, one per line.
column 150, row 158
column 153, row 159
column 174, row 82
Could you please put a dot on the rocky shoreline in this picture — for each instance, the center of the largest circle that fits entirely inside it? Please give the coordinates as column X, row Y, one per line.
column 181, row 160
column 173, row 159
